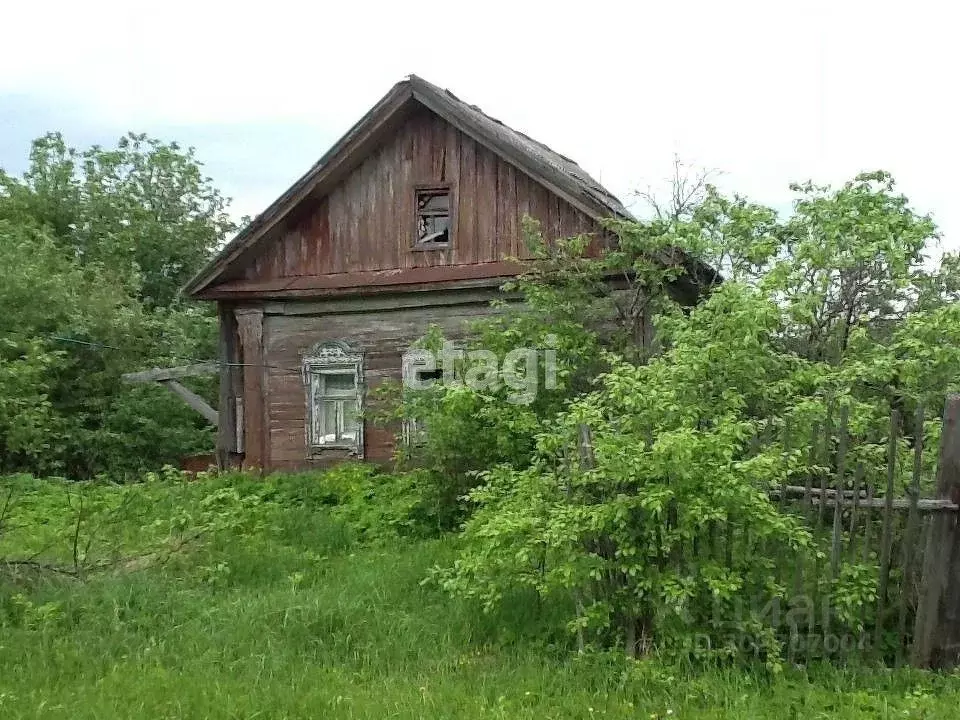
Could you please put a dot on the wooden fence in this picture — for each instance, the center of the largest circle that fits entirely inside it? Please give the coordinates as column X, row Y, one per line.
column 893, row 538
column 912, row 542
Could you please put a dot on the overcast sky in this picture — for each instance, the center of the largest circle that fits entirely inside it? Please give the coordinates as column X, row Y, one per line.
column 766, row 92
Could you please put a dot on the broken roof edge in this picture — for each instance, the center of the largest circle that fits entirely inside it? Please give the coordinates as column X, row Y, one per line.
column 556, row 172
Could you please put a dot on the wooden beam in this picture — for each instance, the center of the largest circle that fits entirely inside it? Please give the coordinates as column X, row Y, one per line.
column 193, row 400
column 174, row 373
column 936, row 635
column 250, row 325
column 227, row 353
column 876, row 503
column 366, row 304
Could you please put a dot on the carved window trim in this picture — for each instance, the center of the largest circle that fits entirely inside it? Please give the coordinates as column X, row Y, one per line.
column 323, row 360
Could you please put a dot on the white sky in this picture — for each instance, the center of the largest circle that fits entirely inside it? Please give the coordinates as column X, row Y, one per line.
column 766, row 92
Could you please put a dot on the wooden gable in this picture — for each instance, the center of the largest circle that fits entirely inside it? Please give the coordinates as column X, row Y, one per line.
column 349, row 221
column 366, row 223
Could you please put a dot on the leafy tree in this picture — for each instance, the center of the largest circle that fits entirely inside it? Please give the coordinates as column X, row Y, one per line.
column 832, row 308
column 144, row 210
column 93, row 248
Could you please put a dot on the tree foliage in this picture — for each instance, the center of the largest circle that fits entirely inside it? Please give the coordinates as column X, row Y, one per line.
column 837, row 306
column 94, row 246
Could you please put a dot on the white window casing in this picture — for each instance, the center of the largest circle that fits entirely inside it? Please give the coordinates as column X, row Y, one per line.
column 333, row 380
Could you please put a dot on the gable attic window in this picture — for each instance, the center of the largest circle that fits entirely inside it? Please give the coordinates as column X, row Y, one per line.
column 333, row 378
column 434, row 225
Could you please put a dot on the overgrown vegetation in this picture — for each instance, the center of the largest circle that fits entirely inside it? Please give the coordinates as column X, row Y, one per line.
column 838, row 307
column 94, row 246
column 593, row 502
column 281, row 608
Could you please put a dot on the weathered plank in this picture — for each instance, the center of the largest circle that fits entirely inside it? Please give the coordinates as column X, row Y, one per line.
column 383, row 337
column 466, row 249
column 910, row 540
column 836, row 535
column 487, row 246
column 174, row 373
column 936, row 637
column 229, row 357
column 886, row 537
column 854, row 507
column 250, row 328
column 193, row 400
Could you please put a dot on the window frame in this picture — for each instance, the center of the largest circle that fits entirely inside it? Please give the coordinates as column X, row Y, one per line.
column 436, row 188
column 412, row 429
column 321, row 361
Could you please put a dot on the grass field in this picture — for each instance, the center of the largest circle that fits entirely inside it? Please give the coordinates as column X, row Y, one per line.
column 293, row 618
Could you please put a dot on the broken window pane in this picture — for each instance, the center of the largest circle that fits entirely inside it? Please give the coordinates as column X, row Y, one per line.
column 433, row 217
column 434, row 203
column 339, row 383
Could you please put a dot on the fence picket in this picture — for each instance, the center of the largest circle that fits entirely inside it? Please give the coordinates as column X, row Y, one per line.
column 867, row 537
column 857, row 479
column 807, row 509
column 837, row 538
column 936, row 637
column 909, row 540
column 782, row 502
column 887, row 536
column 868, row 522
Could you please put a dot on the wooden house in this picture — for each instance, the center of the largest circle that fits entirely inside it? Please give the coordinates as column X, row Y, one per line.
column 407, row 221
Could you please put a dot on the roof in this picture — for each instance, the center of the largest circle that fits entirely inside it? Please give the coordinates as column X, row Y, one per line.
column 556, row 172
column 560, row 169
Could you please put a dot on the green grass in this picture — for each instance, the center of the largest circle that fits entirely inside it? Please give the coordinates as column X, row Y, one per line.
column 296, row 620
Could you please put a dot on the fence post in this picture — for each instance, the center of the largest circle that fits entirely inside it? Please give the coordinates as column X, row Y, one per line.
column 936, row 636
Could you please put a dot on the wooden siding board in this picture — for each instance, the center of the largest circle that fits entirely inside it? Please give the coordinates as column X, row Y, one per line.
column 523, row 210
column 337, row 210
column 438, row 149
column 403, row 219
column 438, row 174
column 467, row 203
column 278, row 258
column 506, row 211
column 354, row 213
column 539, row 200
column 292, row 262
column 250, row 330
column 228, row 354
column 451, row 175
column 487, row 249
column 304, row 253
column 380, row 255
column 554, row 220
column 323, row 247
column 361, row 214
column 366, row 222
column 422, row 175
column 382, row 336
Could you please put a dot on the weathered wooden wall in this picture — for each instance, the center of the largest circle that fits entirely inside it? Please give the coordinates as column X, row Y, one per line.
column 367, row 222
column 383, row 335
